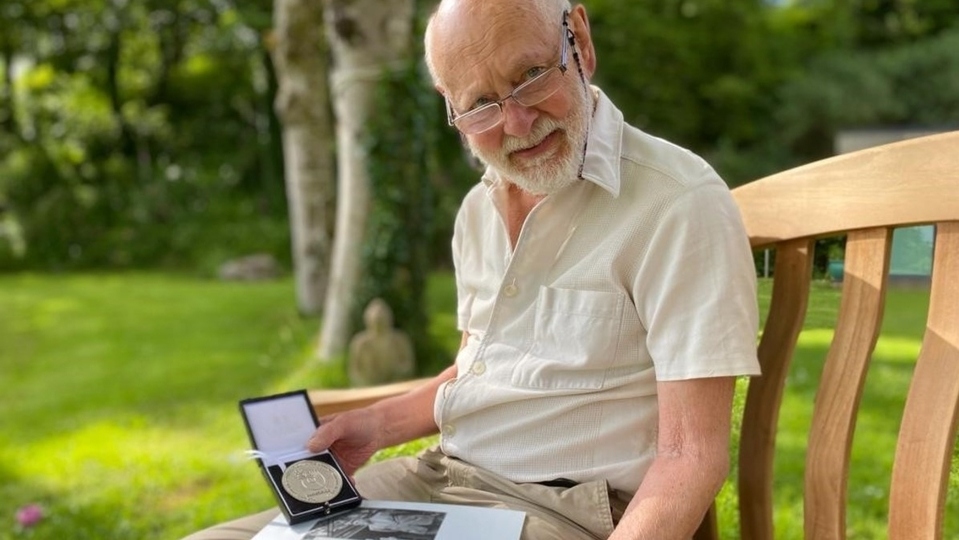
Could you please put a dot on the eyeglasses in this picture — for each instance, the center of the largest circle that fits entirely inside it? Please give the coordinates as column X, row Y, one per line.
column 527, row 94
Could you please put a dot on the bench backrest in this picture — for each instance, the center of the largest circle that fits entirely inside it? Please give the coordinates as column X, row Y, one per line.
column 864, row 195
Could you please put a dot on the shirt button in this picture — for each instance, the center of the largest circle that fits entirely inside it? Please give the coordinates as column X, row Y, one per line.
column 510, row 290
column 479, row 368
column 449, row 430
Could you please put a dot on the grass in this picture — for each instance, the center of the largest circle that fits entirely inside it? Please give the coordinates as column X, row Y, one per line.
column 118, row 410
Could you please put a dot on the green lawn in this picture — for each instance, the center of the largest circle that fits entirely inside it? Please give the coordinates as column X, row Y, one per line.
column 119, row 392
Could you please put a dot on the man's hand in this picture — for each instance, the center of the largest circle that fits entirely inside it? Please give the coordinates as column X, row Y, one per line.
column 352, row 436
column 355, row 435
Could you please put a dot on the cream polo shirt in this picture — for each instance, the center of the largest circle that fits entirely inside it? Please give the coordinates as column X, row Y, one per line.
column 640, row 272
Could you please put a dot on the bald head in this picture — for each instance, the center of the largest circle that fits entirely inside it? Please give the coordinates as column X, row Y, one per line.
column 469, row 31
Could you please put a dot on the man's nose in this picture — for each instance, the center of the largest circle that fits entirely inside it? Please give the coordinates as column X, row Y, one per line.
column 517, row 119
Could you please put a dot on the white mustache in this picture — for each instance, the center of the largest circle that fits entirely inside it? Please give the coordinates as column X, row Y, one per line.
column 539, row 132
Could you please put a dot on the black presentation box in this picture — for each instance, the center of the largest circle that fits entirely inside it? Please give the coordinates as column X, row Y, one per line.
column 279, row 427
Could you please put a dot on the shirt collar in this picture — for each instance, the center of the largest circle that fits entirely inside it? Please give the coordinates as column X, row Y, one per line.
column 603, row 147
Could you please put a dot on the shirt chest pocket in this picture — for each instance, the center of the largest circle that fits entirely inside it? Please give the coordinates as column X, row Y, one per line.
column 575, row 339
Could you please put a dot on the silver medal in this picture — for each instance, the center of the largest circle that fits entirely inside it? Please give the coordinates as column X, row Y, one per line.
column 312, row 481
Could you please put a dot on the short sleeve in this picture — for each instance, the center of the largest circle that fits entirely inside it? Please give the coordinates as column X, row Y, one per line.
column 696, row 289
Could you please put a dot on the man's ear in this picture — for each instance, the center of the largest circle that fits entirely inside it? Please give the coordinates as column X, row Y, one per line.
column 579, row 24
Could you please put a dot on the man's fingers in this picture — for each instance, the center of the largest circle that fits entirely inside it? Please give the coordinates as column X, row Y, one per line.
column 322, row 438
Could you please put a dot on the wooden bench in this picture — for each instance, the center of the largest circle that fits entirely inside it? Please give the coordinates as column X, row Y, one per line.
column 331, row 401
column 864, row 195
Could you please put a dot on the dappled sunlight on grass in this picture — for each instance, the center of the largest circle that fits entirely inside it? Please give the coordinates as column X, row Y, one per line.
column 120, row 399
column 406, row 449
column 107, row 448
column 897, row 349
column 120, row 394
column 311, row 373
column 815, row 338
column 127, row 465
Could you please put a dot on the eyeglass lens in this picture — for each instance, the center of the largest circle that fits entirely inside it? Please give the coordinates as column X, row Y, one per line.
column 532, row 92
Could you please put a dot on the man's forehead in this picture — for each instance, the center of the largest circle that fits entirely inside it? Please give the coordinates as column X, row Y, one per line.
column 476, row 21
column 510, row 38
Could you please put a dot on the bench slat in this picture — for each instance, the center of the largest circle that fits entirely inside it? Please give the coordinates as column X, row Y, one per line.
column 842, row 382
column 928, row 432
column 787, row 311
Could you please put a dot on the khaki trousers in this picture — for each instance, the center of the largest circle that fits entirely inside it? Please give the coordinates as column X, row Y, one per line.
column 586, row 511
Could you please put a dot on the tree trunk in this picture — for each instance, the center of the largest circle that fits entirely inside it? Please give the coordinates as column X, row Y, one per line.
column 302, row 102
column 367, row 37
column 8, row 121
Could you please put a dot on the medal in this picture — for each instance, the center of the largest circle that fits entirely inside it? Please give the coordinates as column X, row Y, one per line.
column 312, row 481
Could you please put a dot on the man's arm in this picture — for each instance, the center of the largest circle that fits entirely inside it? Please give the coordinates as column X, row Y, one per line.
column 410, row 416
column 355, row 435
column 691, row 464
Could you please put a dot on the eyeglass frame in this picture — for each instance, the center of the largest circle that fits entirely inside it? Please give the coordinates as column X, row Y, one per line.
column 562, row 66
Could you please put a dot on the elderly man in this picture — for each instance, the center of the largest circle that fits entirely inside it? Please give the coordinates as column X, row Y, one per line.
column 606, row 295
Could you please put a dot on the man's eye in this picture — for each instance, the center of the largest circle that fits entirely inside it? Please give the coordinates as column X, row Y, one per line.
column 481, row 102
column 534, row 71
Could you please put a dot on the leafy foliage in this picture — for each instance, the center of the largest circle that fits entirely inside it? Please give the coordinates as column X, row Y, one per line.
column 142, row 133
column 127, row 120
column 699, row 73
column 916, row 84
column 717, row 75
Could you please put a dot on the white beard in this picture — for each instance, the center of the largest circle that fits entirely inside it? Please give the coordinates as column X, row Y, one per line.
column 550, row 173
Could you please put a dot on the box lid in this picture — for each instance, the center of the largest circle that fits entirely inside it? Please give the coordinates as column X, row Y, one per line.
column 280, row 424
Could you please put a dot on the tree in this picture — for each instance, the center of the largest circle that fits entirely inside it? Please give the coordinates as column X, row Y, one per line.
column 366, row 38
column 699, row 73
column 913, row 84
column 299, row 55
column 137, row 134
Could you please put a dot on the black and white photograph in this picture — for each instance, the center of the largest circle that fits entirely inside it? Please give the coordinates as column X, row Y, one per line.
column 380, row 524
